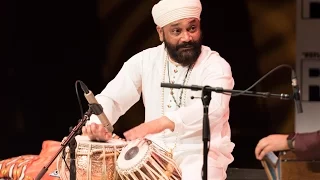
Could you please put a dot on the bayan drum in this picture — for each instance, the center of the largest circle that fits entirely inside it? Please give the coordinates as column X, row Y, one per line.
column 144, row 160
column 94, row 160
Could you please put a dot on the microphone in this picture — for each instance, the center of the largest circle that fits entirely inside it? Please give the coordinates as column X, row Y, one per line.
column 96, row 107
column 296, row 92
column 180, row 86
column 170, row 85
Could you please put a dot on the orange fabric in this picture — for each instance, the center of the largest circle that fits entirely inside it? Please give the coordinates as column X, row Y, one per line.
column 28, row 166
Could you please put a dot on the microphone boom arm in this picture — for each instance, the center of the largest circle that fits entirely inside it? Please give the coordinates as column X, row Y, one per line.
column 221, row 90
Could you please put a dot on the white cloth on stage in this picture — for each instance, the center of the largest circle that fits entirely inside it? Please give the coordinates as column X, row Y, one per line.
column 142, row 75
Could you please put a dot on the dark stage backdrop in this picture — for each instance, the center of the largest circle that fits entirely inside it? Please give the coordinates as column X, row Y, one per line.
column 51, row 45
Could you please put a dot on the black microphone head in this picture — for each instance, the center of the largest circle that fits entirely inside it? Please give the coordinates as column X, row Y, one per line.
column 296, row 92
column 293, row 74
column 84, row 87
column 297, row 99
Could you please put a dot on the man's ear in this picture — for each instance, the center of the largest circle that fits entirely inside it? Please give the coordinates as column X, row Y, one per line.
column 160, row 33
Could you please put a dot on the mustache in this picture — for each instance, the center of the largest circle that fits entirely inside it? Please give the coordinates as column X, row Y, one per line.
column 186, row 45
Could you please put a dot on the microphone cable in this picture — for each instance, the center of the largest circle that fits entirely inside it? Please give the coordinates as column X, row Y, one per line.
column 262, row 78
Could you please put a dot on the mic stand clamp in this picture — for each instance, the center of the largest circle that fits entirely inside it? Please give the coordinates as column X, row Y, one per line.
column 206, row 98
column 72, row 145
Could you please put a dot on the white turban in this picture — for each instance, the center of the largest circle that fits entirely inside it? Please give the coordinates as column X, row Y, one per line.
column 168, row 11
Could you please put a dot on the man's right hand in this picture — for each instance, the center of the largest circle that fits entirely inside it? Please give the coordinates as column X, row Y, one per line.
column 96, row 132
column 274, row 142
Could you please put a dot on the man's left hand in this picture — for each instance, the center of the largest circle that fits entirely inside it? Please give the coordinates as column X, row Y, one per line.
column 151, row 127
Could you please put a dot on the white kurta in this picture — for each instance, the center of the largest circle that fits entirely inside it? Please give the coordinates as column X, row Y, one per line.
column 143, row 74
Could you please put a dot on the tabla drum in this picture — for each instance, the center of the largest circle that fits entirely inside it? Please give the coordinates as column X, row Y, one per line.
column 94, row 160
column 144, row 160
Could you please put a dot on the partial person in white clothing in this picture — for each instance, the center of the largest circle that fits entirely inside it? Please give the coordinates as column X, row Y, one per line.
column 172, row 119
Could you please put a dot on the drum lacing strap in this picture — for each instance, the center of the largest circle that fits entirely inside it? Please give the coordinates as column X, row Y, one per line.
column 104, row 165
column 169, row 168
column 60, row 171
column 115, row 160
column 90, row 163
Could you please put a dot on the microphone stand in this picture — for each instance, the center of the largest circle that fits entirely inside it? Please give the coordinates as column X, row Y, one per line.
column 72, row 144
column 206, row 98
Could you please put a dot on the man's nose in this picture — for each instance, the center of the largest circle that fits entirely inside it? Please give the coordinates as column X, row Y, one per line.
column 186, row 37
